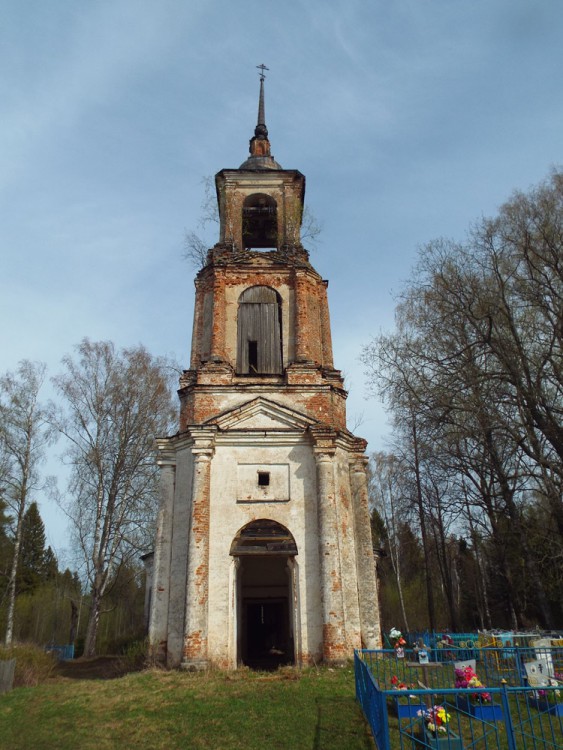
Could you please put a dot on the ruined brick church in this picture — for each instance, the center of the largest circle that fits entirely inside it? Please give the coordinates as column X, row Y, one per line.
column 263, row 552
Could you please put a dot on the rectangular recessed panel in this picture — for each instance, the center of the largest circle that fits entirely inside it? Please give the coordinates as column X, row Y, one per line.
column 262, row 483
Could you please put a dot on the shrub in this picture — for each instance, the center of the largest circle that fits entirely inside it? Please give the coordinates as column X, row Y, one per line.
column 33, row 664
column 134, row 655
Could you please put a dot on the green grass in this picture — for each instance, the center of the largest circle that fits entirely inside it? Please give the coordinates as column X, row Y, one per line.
column 285, row 710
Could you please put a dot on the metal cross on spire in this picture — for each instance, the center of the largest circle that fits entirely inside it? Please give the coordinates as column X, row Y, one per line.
column 262, row 68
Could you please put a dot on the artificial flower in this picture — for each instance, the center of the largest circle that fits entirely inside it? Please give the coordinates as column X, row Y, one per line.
column 400, row 685
column 466, row 677
column 436, row 718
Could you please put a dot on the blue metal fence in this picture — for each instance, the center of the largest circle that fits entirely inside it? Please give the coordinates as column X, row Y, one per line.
column 518, row 718
column 494, row 665
column 373, row 703
column 62, row 653
column 435, row 639
column 454, row 641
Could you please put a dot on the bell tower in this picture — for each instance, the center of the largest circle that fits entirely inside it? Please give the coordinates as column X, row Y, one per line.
column 263, row 552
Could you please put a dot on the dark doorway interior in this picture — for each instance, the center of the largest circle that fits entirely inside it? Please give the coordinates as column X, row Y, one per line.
column 265, row 618
column 267, row 634
column 265, row 550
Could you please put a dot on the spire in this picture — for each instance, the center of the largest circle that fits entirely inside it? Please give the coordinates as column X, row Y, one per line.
column 260, row 156
column 261, row 131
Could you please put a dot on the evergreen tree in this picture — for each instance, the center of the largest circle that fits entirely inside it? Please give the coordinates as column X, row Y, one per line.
column 37, row 564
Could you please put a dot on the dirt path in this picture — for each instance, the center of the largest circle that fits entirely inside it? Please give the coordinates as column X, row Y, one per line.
column 95, row 668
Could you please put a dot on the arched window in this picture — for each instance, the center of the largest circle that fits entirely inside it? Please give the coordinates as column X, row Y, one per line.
column 259, row 342
column 259, row 221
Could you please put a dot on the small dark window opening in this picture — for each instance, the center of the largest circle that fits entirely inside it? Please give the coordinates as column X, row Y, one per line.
column 263, row 478
column 252, row 356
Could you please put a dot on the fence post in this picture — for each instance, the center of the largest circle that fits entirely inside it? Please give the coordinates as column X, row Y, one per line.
column 520, row 667
column 358, row 679
column 7, row 670
column 510, row 740
column 383, row 721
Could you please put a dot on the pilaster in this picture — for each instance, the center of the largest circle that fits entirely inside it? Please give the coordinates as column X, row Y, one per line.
column 295, row 608
column 325, row 328
column 218, row 324
column 234, row 613
column 197, row 588
column 365, row 561
column 301, row 317
column 158, row 623
column 334, row 636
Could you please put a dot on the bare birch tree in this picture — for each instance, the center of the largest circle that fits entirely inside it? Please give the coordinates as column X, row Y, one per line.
column 476, row 361
column 115, row 404
column 387, row 495
column 24, row 435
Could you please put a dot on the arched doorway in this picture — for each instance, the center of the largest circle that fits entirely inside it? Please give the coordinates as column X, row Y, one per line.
column 265, row 593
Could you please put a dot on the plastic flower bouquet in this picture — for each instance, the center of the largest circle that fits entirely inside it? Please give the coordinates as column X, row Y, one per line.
column 436, row 719
column 400, row 685
column 549, row 696
column 396, row 638
column 467, row 678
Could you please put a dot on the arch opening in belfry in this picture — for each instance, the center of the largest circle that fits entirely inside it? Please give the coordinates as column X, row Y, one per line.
column 259, row 221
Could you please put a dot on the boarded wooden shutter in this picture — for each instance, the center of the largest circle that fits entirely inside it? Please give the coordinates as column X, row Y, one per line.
column 259, row 321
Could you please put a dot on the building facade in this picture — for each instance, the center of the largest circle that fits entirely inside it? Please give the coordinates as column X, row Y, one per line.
column 263, row 552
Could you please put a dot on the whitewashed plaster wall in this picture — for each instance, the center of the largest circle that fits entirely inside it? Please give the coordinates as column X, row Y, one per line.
column 227, row 516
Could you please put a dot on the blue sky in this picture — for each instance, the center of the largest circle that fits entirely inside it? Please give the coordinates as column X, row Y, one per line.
column 410, row 119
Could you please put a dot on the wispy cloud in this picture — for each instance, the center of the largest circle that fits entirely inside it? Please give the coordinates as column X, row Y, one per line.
column 410, row 119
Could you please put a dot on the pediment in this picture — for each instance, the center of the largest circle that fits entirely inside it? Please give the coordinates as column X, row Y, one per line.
column 261, row 414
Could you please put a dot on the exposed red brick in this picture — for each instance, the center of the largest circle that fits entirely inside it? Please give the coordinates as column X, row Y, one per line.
column 194, row 645
column 333, row 647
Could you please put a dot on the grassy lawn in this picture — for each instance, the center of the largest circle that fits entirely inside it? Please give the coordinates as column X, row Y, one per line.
column 285, row 710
